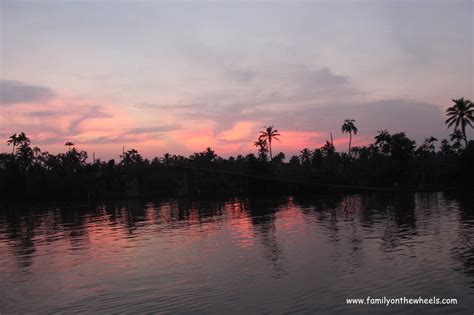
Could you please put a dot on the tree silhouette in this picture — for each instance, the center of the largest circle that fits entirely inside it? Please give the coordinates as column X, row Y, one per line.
column 401, row 147
column 460, row 115
column 269, row 134
column 204, row 158
column 446, row 148
column 23, row 139
column 328, row 149
column 17, row 140
column 305, row 156
column 429, row 144
column 262, row 145
column 14, row 141
column 166, row 159
column 25, row 155
column 36, row 152
column 69, row 144
column 131, row 157
column 392, row 159
column 279, row 158
column 382, row 140
column 349, row 127
column 456, row 138
column 428, row 147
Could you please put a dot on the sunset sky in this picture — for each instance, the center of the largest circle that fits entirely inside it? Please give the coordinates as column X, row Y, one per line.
column 179, row 77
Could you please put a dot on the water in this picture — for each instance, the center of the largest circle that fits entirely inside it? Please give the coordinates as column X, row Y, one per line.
column 246, row 255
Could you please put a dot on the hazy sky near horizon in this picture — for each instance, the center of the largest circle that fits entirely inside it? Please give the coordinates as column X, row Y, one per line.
column 178, row 77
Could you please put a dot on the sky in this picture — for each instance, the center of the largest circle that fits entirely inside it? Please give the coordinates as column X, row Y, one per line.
column 182, row 76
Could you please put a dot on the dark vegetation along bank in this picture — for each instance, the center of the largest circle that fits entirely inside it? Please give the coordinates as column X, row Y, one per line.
column 392, row 161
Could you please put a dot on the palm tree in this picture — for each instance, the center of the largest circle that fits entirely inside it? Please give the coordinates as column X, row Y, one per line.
column 262, row 145
column 269, row 134
column 460, row 115
column 13, row 141
column 25, row 155
column 349, row 127
column 23, row 139
column 69, row 144
column 382, row 140
column 16, row 140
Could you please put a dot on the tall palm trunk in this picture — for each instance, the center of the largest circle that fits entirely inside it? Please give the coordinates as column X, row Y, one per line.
column 464, row 133
column 350, row 142
column 270, row 147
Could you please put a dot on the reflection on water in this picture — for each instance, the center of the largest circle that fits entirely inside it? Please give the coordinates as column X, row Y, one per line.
column 288, row 254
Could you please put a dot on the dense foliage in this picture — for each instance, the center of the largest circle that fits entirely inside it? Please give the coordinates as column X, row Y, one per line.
column 392, row 160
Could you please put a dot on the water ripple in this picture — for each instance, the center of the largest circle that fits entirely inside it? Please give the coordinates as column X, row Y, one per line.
column 242, row 255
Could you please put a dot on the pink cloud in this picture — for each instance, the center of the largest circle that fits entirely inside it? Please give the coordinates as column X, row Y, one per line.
column 50, row 124
column 105, row 128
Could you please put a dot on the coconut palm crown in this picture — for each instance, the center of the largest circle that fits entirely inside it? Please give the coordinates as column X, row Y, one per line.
column 461, row 114
column 269, row 134
column 350, row 128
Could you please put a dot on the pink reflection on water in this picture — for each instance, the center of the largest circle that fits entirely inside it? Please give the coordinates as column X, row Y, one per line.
column 240, row 225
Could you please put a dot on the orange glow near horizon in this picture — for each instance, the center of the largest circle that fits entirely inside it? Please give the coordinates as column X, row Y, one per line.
column 105, row 129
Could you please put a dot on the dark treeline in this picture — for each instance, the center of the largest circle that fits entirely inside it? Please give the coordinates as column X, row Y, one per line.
column 392, row 160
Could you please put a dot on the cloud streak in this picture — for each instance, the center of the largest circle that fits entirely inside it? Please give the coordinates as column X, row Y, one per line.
column 159, row 77
column 14, row 92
